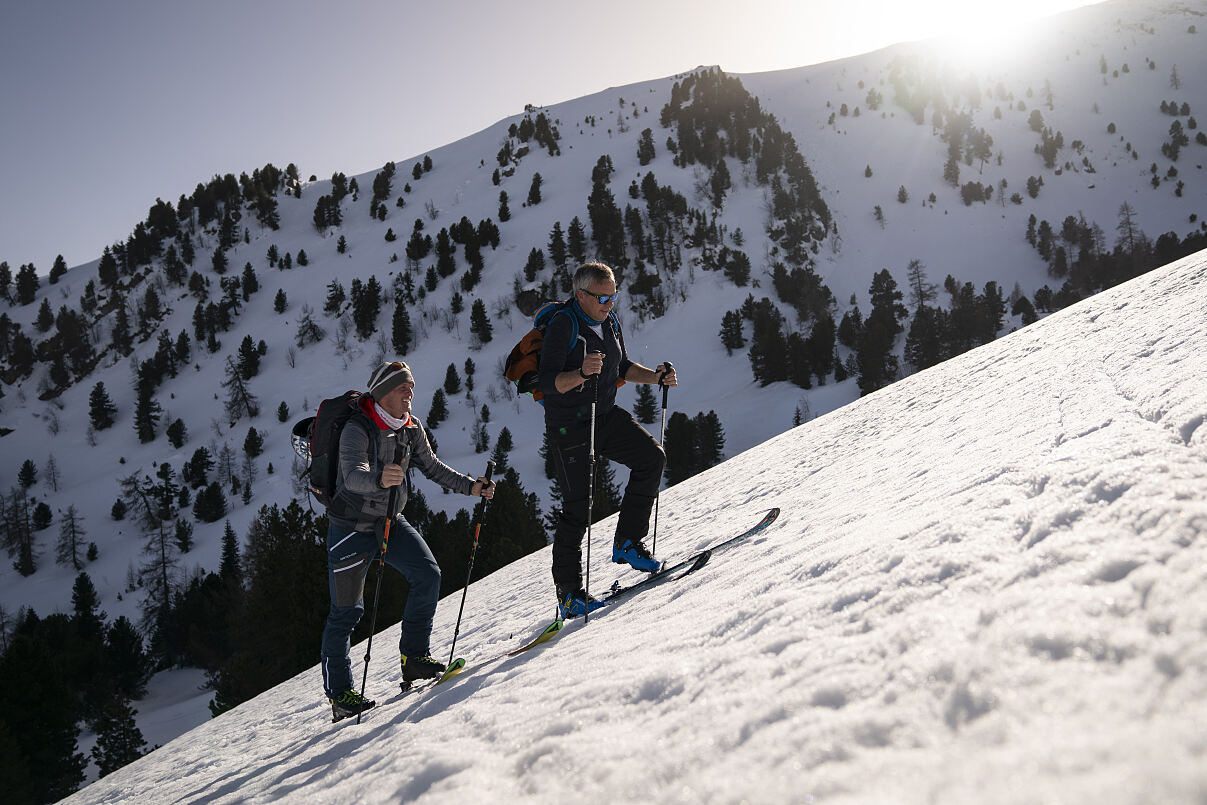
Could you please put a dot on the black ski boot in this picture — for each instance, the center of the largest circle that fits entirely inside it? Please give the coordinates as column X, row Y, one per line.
column 348, row 704
column 414, row 668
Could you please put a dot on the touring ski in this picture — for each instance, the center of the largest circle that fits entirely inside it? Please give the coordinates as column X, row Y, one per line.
column 689, row 565
column 548, row 633
column 454, row 668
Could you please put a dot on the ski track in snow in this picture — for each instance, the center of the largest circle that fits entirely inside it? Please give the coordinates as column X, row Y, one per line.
column 988, row 583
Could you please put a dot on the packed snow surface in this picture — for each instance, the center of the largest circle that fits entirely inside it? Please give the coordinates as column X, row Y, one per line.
column 988, row 583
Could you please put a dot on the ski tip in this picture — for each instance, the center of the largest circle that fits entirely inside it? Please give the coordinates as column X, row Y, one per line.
column 455, row 667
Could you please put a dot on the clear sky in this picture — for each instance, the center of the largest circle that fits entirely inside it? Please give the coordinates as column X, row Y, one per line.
column 107, row 104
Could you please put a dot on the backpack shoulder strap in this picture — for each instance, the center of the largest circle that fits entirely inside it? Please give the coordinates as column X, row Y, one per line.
column 566, row 310
column 619, row 332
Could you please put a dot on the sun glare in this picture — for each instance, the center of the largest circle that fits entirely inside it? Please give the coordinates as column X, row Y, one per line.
column 982, row 37
column 977, row 32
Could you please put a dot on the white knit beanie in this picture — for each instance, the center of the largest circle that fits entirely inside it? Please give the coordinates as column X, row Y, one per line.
column 387, row 377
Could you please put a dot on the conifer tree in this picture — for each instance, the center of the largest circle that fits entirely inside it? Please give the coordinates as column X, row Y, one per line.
column 607, row 222
column 710, row 441
column 365, row 308
column 249, row 358
column 921, row 291
column 27, row 284
column 731, row 331
column 926, row 337
column 210, row 505
column 147, row 413
column 219, row 262
column 645, row 147
column 27, row 475
column 576, row 242
column 452, row 380
column 123, row 340
column 45, row 318
column 57, row 270
column 768, row 348
column 401, row 328
column 249, row 282
column 36, row 696
column 18, row 531
column 126, row 659
column 42, row 516
column 438, row 410
column 504, row 444
column 479, row 323
column 284, row 547
column 646, row 407
column 118, row 740
column 158, row 571
column 240, row 401
column 51, row 473
column 229, row 568
column 535, row 264
column 446, row 261
column 877, row 363
column 70, row 547
column 534, row 190
column 514, row 516
column 253, row 445
column 557, row 245
column 309, row 331
column 177, row 433
column 183, row 535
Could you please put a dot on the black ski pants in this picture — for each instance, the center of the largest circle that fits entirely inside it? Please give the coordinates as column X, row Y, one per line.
column 618, row 438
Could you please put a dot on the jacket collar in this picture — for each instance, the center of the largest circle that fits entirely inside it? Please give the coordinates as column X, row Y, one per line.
column 369, row 409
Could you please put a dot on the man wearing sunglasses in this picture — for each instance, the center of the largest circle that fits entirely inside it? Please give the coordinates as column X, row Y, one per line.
column 569, row 366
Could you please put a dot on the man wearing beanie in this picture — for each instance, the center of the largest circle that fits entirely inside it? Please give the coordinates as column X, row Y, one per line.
column 376, row 447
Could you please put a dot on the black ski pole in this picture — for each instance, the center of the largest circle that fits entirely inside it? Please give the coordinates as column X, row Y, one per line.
column 661, row 441
column 490, row 470
column 590, row 493
column 381, row 566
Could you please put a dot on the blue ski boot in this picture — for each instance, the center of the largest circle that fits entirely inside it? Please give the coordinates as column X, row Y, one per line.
column 574, row 602
column 636, row 556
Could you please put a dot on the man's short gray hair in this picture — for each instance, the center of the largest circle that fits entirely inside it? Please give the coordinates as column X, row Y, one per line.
column 589, row 273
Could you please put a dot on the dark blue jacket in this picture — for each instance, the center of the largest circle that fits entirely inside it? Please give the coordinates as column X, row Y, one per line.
column 558, row 354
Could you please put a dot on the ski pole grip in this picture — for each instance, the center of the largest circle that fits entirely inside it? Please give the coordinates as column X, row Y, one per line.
column 665, row 389
column 490, row 470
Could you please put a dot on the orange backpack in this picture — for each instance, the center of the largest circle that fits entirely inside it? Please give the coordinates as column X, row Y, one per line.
column 525, row 357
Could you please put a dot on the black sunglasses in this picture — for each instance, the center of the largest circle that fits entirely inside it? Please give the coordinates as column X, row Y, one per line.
column 603, row 300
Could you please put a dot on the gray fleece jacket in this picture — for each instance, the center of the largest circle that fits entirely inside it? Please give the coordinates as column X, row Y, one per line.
column 366, row 445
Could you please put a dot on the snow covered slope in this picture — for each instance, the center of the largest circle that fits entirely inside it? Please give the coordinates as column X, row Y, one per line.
column 988, row 584
column 974, row 243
